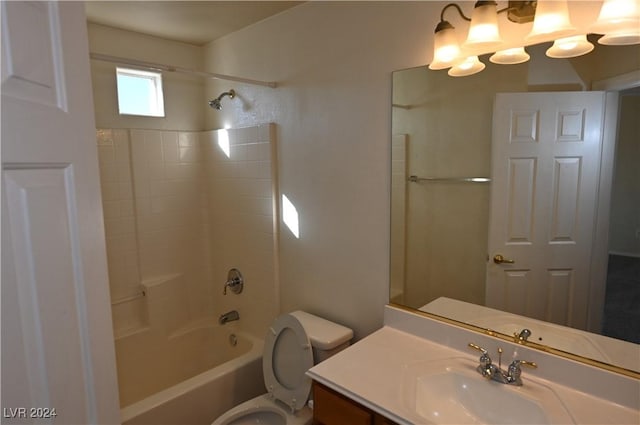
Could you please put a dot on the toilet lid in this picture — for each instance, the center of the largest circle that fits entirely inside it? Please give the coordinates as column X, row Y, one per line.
column 287, row 357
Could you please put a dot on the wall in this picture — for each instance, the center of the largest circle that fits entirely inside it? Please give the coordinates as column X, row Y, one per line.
column 179, row 214
column 242, row 229
column 116, row 183
column 333, row 61
column 155, row 221
column 185, row 104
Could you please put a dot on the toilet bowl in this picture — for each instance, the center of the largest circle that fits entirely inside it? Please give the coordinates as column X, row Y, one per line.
column 294, row 343
column 264, row 410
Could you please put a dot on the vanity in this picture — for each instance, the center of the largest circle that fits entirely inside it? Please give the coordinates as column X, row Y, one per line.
column 420, row 370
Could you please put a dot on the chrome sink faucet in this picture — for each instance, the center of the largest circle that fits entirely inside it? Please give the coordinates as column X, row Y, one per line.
column 495, row 373
column 522, row 337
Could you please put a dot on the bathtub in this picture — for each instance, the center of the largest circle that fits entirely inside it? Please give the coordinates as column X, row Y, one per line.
column 190, row 377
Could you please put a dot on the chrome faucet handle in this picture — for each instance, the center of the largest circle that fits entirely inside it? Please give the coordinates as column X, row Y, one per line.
column 235, row 281
column 485, row 368
column 514, row 371
column 477, row 347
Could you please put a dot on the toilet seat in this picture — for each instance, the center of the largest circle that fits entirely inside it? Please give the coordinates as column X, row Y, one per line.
column 264, row 410
column 287, row 357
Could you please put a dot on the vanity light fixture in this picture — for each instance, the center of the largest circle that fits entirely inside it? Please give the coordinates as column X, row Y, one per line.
column 445, row 42
column 469, row 66
column 483, row 29
column 510, row 56
column 619, row 22
column 570, row 47
column 551, row 21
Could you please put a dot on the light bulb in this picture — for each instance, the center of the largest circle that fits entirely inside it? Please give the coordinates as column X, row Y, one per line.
column 469, row 66
column 510, row 56
column 619, row 21
column 483, row 30
column 445, row 46
column 551, row 20
column 570, row 47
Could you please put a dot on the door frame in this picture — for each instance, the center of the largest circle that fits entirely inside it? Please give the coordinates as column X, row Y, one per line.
column 600, row 250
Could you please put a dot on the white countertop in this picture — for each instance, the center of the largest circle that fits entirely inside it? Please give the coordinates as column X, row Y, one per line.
column 373, row 373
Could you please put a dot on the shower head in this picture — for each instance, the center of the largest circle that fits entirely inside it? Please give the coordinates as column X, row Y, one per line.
column 217, row 104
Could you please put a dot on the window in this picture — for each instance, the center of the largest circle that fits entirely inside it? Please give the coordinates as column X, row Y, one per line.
column 139, row 92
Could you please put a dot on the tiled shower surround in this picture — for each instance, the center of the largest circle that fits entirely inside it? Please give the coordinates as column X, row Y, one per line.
column 179, row 213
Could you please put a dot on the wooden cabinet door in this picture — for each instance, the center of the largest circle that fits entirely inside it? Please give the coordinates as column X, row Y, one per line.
column 332, row 408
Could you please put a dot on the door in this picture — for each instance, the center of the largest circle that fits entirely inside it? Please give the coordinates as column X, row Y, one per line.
column 546, row 150
column 58, row 360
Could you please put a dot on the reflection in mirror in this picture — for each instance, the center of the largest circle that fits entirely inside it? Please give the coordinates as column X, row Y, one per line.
column 457, row 203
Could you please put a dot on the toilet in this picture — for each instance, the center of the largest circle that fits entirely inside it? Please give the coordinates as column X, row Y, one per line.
column 294, row 343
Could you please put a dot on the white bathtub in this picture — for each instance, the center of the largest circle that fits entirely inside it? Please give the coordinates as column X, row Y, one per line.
column 191, row 377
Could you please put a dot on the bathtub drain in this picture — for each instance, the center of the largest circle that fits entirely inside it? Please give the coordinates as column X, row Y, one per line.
column 233, row 340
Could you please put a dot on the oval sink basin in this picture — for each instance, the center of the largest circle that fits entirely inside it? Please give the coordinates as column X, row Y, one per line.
column 451, row 391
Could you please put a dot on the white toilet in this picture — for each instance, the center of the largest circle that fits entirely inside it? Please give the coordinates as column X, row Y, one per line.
column 294, row 343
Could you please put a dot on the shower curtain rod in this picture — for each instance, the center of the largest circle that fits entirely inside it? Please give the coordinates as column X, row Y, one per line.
column 171, row 68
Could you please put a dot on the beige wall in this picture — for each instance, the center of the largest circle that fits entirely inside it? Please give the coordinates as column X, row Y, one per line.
column 240, row 213
column 179, row 214
column 185, row 104
column 333, row 62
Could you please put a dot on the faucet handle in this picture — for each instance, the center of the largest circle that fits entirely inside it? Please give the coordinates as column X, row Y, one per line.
column 485, row 368
column 514, row 370
column 235, row 281
column 477, row 347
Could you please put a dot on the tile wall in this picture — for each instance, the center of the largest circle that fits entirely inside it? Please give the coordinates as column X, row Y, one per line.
column 178, row 214
column 114, row 153
column 241, row 215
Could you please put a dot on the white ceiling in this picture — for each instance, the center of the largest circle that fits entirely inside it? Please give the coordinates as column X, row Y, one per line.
column 194, row 22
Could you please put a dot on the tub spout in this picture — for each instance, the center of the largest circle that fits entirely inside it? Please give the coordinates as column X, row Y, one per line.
column 229, row 317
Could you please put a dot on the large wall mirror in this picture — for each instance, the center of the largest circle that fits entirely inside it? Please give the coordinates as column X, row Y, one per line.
column 500, row 195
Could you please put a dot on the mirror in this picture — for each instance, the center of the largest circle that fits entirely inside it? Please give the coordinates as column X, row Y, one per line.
column 443, row 187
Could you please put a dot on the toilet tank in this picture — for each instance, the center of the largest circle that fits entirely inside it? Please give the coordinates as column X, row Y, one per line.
column 327, row 338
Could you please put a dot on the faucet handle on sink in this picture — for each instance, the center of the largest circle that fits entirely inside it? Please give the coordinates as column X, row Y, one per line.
column 513, row 373
column 485, row 368
column 477, row 347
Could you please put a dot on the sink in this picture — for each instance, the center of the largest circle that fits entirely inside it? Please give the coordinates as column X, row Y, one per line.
column 451, row 391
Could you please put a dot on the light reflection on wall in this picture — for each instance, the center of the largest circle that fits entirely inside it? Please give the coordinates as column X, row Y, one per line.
column 290, row 216
column 223, row 142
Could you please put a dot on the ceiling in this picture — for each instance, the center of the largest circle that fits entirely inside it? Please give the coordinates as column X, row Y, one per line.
column 194, row 22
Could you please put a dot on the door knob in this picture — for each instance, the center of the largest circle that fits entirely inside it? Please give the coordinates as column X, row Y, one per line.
column 499, row 259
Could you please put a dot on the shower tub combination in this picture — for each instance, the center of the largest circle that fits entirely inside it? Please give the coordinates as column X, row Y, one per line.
column 191, row 377
column 175, row 364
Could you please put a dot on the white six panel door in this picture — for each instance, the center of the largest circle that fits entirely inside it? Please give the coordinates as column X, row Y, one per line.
column 546, row 150
column 58, row 359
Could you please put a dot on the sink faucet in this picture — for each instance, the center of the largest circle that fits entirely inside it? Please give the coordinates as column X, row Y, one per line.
column 495, row 373
column 229, row 317
column 522, row 337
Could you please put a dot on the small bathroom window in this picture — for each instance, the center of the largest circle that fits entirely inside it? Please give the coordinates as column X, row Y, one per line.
column 139, row 92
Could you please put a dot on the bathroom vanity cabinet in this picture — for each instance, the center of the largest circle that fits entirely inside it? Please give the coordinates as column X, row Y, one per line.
column 401, row 374
column 333, row 408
